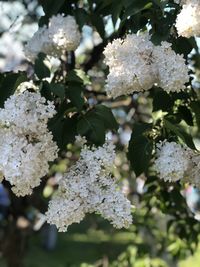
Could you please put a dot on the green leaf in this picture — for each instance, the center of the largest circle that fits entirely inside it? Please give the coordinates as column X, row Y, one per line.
column 51, row 7
column 72, row 76
column 64, row 131
column 179, row 131
column 116, row 11
column 162, row 101
column 95, row 123
column 140, row 148
column 57, row 89
column 92, row 127
column 106, row 115
column 81, row 17
column 140, row 128
column 182, row 45
column 195, row 105
column 186, row 115
column 8, row 84
column 49, row 90
column 74, row 93
column 98, row 23
column 134, row 7
column 41, row 70
column 45, row 90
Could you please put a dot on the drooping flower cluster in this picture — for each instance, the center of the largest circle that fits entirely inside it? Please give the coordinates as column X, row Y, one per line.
column 61, row 35
column 177, row 162
column 135, row 64
column 188, row 20
column 172, row 72
column 26, row 144
column 172, row 161
column 89, row 187
column 131, row 68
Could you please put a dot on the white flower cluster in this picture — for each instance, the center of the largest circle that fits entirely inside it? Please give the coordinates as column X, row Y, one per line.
column 26, row 144
column 135, row 65
column 176, row 162
column 172, row 72
column 89, row 187
column 188, row 20
column 130, row 65
column 172, row 161
column 61, row 35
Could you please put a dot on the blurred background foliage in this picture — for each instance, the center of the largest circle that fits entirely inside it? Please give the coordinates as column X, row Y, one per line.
column 165, row 228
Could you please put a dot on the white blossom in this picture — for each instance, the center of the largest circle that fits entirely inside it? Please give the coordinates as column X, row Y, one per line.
column 172, row 72
column 89, row 187
column 130, row 65
column 172, row 161
column 135, row 64
column 27, row 113
column 177, row 162
column 26, row 144
column 23, row 161
column 61, row 35
column 188, row 20
column 64, row 33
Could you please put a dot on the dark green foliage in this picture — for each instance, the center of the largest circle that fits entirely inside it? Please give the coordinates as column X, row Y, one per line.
column 74, row 93
column 95, row 123
column 178, row 131
column 162, row 101
column 8, row 84
column 185, row 115
column 41, row 70
column 64, row 131
column 51, row 7
column 140, row 148
column 105, row 114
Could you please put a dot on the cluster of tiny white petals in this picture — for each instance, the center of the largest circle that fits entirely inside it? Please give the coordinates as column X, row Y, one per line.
column 89, row 187
column 61, row 35
column 64, row 33
column 172, row 72
column 24, row 162
column 172, row 161
column 28, row 113
column 26, row 144
column 135, row 64
column 188, row 20
column 176, row 162
column 130, row 65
